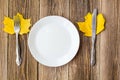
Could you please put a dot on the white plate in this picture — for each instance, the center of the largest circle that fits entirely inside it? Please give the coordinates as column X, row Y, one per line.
column 53, row 41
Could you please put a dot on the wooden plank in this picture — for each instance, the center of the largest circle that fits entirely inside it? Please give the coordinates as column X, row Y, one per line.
column 28, row 68
column 79, row 67
column 3, row 41
column 33, row 13
column 108, row 53
column 115, row 52
column 61, row 8
column 22, row 71
column 118, row 43
column 11, row 57
column 46, row 73
column 56, row 7
column 95, row 75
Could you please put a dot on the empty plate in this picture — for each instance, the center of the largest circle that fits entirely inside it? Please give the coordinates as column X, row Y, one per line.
column 53, row 41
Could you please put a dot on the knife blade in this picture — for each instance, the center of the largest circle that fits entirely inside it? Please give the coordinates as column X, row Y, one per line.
column 93, row 56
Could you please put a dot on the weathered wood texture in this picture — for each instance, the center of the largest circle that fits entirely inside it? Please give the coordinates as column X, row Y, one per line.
column 107, row 45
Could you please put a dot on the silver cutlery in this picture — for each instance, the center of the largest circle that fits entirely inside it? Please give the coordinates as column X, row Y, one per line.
column 93, row 56
column 17, row 30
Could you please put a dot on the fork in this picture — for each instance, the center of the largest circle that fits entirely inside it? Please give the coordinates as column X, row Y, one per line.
column 17, row 30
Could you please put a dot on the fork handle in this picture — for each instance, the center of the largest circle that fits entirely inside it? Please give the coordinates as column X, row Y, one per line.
column 18, row 58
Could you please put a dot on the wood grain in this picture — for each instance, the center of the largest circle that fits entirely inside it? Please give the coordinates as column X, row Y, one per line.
column 32, row 65
column 107, row 44
column 95, row 71
column 118, row 43
column 61, row 8
column 108, row 41
column 79, row 67
column 28, row 69
column 3, row 41
column 46, row 73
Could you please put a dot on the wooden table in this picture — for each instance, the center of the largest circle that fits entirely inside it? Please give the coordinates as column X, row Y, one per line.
column 107, row 45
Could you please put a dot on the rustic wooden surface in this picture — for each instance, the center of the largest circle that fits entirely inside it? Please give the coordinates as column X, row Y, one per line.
column 107, row 45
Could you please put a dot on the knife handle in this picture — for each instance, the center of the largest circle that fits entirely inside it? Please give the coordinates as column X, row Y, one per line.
column 93, row 56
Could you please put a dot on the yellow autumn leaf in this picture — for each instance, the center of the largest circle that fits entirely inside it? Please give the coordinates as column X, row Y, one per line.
column 86, row 27
column 9, row 24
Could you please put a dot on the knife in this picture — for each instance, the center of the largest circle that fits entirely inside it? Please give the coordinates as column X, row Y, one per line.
column 93, row 56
